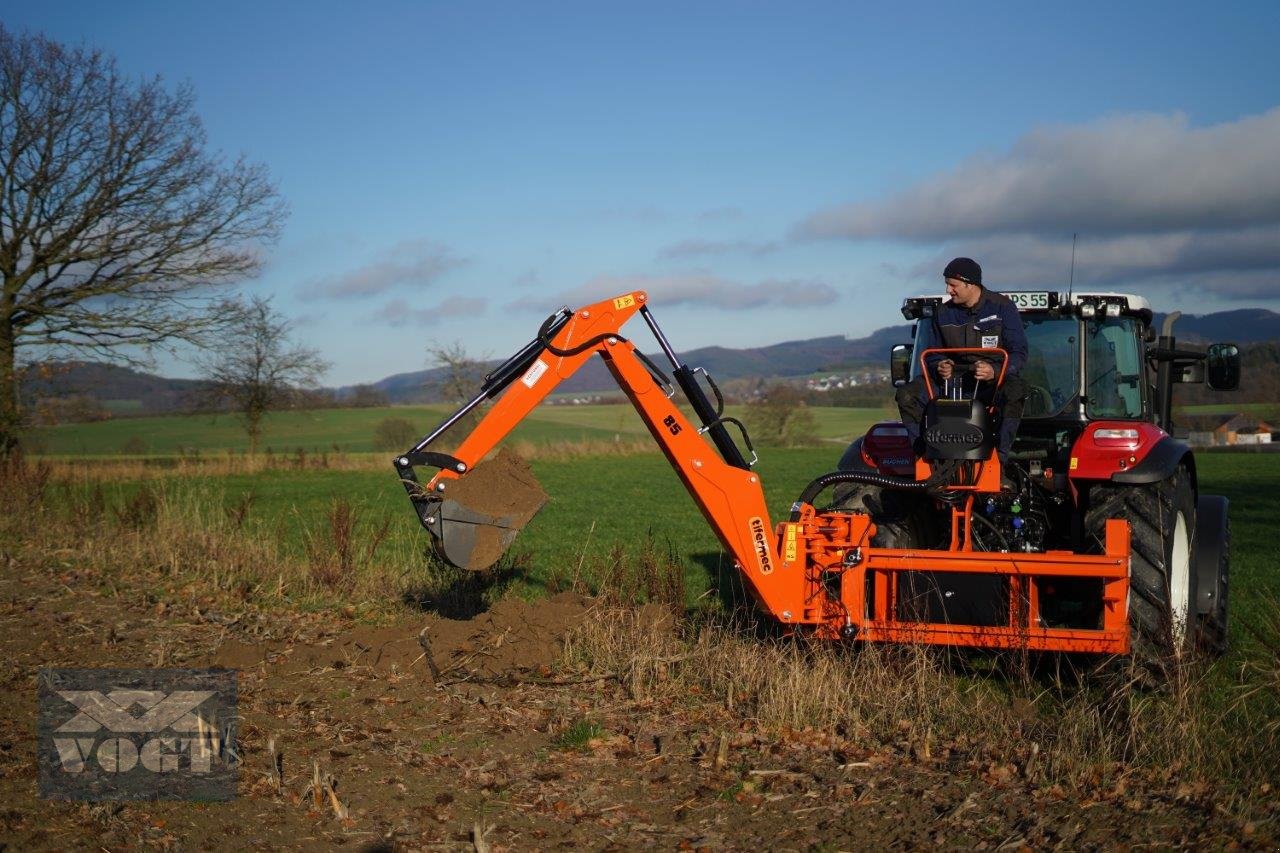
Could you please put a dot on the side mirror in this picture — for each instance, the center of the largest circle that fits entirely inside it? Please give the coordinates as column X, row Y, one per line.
column 1222, row 367
column 900, row 364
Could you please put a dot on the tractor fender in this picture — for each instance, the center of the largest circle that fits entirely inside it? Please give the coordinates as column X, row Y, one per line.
column 852, row 459
column 1159, row 464
column 884, row 449
column 1129, row 453
column 1211, row 543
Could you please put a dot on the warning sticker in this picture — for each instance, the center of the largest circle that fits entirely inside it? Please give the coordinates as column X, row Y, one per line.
column 789, row 545
column 1075, row 463
column 624, row 302
column 534, row 373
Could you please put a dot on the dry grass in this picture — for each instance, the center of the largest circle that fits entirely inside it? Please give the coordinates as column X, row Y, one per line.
column 179, row 541
column 91, row 469
column 343, row 544
column 175, row 535
column 1071, row 728
column 561, row 451
column 1260, row 676
column 114, row 468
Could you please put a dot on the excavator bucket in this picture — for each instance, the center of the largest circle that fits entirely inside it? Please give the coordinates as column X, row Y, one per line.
column 477, row 517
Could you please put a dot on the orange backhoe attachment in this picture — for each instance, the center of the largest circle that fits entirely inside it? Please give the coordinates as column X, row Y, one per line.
column 817, row 572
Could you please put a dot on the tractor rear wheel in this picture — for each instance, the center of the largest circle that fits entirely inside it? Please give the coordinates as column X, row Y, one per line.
column 901, row 519
column 1162, row 573
column 1213, row 565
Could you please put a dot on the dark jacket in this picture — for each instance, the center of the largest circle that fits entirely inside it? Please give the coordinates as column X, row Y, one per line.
column 994, row 322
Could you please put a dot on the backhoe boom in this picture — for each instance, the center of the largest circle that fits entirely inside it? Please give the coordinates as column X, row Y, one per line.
column 728, row 493
column 818, row 571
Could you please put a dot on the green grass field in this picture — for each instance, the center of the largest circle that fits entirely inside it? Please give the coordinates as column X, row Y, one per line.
column 598, row 503
column 1268, row 411
column 351, row 430
column 832, row 423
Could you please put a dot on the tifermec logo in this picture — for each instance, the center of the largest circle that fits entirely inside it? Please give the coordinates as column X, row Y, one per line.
column 137, row 734
column 760, row 542
column 966, row 435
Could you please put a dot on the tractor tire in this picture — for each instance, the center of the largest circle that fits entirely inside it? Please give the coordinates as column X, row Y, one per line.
column 1162, row 571
column 901, row 519
column 1213, row 562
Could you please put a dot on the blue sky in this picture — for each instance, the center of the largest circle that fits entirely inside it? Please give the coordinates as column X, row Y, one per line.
column 768, row 172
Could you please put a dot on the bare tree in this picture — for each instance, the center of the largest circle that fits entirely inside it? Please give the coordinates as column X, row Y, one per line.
column 458, row 375
column 254, row 370
column 115, row 223
column 368, row 397
column 780, row 418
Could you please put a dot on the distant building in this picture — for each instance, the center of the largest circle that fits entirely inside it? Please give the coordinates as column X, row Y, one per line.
column 1225, row 430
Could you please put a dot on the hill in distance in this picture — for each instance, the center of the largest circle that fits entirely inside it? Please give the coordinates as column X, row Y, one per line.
column 789, row 358
column 129, row 390
column 120, row 389
column 817, row 355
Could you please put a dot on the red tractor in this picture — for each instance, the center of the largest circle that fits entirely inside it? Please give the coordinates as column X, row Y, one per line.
column 1102, row 545
column 1094, row 445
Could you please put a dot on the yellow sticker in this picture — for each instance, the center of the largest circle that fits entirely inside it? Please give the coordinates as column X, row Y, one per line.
column 624, row 302
column 1075, row 463
column 789, row 548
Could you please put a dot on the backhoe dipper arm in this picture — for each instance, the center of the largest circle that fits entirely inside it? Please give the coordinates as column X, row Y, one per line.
column 728, row 493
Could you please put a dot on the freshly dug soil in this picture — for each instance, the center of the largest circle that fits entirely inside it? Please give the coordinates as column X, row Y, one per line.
column 502, row 491
column 511, row 638
column 503, row 487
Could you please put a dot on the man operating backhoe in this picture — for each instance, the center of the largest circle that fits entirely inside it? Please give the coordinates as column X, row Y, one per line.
column 973, row 318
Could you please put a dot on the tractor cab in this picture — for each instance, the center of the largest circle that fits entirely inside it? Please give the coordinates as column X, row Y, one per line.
column 1094, row 447
column 1092, row 357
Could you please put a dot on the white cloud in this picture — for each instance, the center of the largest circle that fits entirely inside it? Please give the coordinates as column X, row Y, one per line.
column 699, row 248
column 692, row 289
column 1019, row 259
column 1130, row 174
column 398, row 312
column 1152, row 198
column 528, row 278
column 636, row 215
column 721, row 214
column 418, row 262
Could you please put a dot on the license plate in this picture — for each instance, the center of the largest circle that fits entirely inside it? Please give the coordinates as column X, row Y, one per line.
column 1029, row 300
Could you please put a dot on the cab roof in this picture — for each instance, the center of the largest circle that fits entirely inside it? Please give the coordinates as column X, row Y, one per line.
column 1085, row 303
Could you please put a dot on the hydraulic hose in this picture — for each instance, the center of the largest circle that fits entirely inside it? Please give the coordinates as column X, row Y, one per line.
column 940, row 475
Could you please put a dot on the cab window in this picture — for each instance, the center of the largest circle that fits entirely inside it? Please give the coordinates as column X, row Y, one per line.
column 1053, row 365
column 1113, row 368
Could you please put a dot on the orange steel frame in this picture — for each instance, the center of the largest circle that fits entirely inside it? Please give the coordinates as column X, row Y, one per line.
column 812, row 573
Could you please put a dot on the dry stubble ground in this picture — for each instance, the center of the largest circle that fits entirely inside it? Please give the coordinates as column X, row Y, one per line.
column 491, row 734
column 499, row 749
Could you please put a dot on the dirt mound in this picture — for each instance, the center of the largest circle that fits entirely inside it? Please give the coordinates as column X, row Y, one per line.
column 483, row 510
column 380, row 648
column 513, row 637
